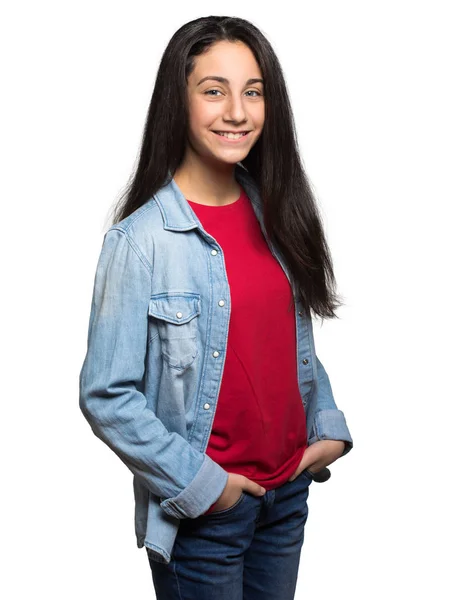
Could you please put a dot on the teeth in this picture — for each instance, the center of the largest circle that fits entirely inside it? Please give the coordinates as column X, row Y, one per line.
column 231, row 136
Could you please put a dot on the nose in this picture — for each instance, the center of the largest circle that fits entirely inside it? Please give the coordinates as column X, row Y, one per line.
column 235, row 110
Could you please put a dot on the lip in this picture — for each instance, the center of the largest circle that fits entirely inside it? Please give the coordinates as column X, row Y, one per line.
column 226, row 140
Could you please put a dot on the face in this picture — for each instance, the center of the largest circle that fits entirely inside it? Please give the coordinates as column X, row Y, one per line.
column 225, row 94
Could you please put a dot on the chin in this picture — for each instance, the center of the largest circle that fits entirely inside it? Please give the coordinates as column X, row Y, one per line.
column 230, row 160
column 225, row 157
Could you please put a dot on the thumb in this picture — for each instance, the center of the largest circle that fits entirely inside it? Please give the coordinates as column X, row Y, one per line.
column 254, row 488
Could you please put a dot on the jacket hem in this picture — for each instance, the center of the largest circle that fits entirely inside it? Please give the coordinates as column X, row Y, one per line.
column 156, row 553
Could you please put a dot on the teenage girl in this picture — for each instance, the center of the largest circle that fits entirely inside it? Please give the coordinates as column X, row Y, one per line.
column 201, row 372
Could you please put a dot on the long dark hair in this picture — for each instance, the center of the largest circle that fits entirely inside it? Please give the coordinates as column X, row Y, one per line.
column 291, row 215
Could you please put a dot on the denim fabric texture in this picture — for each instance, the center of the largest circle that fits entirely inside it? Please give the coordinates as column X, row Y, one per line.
column 250, row 551
column 155, row 355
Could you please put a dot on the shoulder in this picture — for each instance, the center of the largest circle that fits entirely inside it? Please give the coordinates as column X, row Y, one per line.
column 143, row 218
column 140, row 226
column 134, row 235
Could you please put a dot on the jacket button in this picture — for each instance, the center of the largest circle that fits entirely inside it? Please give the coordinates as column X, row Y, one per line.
column 301, row 313
column 206, row 405
column 305, row 361
column 216, row 353
column 221, row 302
column 214, row 252
column 179, row 315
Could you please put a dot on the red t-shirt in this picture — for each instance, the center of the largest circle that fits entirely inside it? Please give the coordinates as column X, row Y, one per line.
column 259, row 429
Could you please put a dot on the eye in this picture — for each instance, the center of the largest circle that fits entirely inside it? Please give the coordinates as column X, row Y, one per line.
column 209, row 92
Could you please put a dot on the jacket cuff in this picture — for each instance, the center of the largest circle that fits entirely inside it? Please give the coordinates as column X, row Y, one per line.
column 203, row 491
column 330, row 424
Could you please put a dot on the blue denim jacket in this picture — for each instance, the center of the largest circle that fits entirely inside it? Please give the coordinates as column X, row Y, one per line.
column 156, row 348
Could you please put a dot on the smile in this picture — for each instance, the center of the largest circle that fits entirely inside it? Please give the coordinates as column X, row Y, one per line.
column 231, row 137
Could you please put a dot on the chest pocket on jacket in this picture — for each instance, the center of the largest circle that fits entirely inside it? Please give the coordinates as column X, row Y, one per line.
column 176, row 319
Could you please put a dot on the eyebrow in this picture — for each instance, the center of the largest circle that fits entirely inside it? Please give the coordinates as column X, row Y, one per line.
column 224, row 80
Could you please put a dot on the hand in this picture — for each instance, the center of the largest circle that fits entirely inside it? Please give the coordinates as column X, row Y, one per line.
column 235, row 485
column 319, row 455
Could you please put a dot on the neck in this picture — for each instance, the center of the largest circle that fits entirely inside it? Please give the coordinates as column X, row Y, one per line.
column 207, row 183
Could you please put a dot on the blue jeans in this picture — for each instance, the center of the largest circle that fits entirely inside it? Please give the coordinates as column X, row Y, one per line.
column 249, row 551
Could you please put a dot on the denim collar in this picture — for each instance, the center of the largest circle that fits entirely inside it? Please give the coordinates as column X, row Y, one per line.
column 178, row 215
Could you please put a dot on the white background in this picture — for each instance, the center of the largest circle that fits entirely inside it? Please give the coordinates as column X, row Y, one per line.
column 374, row 91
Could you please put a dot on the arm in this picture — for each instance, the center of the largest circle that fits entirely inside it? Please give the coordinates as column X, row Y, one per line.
column 329, row 421
column 111, row 396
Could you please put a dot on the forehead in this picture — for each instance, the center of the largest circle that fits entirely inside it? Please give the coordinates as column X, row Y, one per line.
column 233, row 60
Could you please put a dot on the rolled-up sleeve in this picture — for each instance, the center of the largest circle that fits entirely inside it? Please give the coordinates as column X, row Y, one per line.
column 329, row 421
